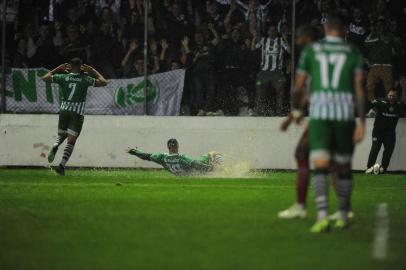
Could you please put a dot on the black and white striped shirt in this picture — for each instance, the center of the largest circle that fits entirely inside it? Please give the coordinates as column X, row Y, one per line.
column 272, row 53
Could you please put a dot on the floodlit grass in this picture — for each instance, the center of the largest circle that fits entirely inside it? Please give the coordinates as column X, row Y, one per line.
column 99, row 219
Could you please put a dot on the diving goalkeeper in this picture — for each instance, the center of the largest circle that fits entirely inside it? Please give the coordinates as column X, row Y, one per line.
column 181, row 165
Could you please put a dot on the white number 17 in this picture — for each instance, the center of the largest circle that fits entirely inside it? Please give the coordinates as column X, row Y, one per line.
column 72, row 87
column 336, row 59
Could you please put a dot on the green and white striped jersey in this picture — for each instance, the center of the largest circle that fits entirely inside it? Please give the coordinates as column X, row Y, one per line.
column 332, row 65
column 74, row 90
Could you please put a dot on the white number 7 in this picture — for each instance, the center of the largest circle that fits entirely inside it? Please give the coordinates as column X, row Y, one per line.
column 72, row 86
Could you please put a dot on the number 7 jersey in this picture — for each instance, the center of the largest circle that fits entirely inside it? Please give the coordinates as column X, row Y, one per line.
column 331, row 64
column 73, row 91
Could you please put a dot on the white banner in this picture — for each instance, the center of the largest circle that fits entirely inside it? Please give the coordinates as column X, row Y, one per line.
column 26, row 92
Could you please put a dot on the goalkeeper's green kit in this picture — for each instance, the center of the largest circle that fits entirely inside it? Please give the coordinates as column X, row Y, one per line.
column 177, row 164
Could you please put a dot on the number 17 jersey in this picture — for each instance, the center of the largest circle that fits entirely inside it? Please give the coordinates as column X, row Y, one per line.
column 332, row 64
column 73, row 90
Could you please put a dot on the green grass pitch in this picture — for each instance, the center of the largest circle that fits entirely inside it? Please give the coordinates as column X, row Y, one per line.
column 152, row 220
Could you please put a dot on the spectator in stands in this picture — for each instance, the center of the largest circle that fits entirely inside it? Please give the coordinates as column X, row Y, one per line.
column 134, row 28
column 113, row 5
column 153, row 62
column 177, row 23
column 74, row 14
column 105, row 50
column 107, row 29
column 137, row 69
column 170, row 56
column 357, row 29
column 108, row 19
column 74, row 45
column 259, row 11
column 202, row 64
column 57, row 38
column 380, row 48
column 20, row 59
column 133, row 61
column 41, row 47
column 213, row 16
column 231, row 73
column 131, row 67
column 163, row 57
column 251, row 68
column 271, row 78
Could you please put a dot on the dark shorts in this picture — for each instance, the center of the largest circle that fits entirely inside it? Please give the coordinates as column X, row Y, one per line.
column 70, row 123
column 328, row 137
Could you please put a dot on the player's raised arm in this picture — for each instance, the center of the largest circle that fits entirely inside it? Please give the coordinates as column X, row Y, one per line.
column 61, row 68
column 360, row 99
column 100, row 80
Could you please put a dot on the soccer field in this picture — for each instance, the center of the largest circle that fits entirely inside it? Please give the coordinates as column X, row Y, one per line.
column 99, row 219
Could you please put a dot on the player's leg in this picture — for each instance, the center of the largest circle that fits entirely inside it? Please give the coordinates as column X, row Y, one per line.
column 320, row 135
column 303, row 174
column 373, row 79
column 387, row 79
column 74, row 129
column 333, row 172
column 377, row 140
column 62, row 135
column 389, row 142
column 298, row 210
column 344, row 147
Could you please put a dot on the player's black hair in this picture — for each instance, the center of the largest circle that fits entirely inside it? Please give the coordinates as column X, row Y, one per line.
column 335, row 22
column 309, row 31
column 172, row 143
column 76, row 62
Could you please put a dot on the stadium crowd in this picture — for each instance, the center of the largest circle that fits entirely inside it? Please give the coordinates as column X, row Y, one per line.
column 236, row 52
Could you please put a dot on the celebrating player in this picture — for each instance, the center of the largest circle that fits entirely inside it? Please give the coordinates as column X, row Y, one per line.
column 335, row 69
column 178, row 164
column 74, row 81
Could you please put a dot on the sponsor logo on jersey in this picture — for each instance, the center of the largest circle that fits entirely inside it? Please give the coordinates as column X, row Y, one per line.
column 390, row 114
column 73, row 79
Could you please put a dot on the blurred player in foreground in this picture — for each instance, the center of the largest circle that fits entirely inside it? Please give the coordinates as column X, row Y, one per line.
column 336, row 72
column 181, row 165
column 74, row 80
column 305, row 35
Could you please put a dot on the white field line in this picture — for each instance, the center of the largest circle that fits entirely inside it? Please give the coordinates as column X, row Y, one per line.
column 380, row 245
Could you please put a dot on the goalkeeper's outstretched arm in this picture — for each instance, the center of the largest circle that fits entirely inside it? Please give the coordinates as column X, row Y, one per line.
column 139, row 154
